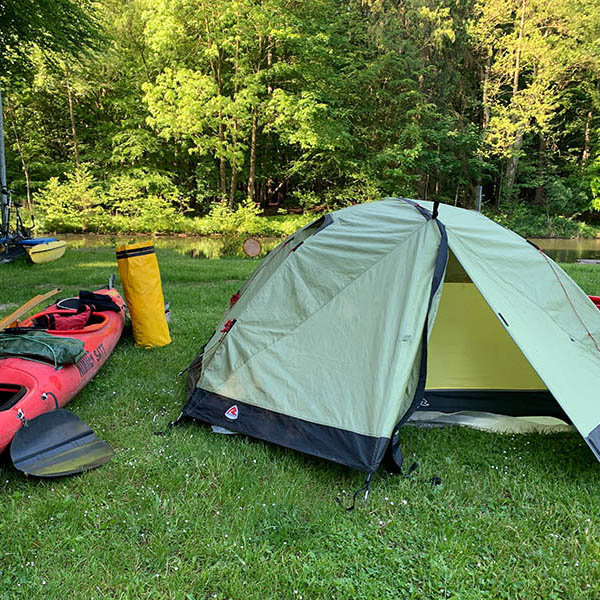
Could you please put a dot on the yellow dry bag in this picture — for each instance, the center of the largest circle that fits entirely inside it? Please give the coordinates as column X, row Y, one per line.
column 138, row 269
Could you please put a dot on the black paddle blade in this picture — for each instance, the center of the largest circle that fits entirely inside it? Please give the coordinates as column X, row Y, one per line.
column 57, row 443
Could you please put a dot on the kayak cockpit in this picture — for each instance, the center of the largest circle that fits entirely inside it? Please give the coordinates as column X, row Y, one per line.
column 94, row 322
column 10, row 394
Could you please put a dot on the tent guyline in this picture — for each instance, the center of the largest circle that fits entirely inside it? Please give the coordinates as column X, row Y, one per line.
column 385, row 312
column 571, row 302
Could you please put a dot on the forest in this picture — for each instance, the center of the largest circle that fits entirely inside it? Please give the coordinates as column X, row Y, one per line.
column 125, row 108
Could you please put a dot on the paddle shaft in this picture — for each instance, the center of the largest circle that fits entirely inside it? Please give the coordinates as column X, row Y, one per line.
column 23, row 310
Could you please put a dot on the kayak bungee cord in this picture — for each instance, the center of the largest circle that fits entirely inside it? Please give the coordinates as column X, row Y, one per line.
column 34, row 339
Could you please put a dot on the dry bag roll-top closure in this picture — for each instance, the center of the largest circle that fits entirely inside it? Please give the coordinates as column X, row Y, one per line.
column 140, row 276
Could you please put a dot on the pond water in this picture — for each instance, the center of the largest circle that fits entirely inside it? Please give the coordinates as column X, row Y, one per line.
column 570, row 250
column 217, row 246
column 210, row 246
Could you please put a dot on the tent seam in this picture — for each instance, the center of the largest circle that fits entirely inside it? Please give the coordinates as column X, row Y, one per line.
column 394, row 249
column 333, row 297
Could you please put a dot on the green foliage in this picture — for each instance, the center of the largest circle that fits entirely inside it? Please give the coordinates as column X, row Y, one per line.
column 360, row 188
column 305, row 106
column 538, row 60
column 67, row 26
column 223, row 219
column 567, row 196
column 143, row 201
column 528, row 222
column 137, row 202
column 246, row 219
column 71, row 205
column 146, row 201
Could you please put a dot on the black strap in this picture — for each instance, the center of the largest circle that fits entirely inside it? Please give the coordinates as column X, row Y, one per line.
column 134, row 252
column 366, row 488
column 45, row 321
column 170, row 425
column 397, row 459
column 21, row 330
column 438, row 276
column 100, row 302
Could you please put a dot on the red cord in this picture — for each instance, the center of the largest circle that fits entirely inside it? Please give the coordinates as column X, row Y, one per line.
column 570, row 302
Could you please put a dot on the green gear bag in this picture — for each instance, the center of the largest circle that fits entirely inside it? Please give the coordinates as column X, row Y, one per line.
column 40, row 345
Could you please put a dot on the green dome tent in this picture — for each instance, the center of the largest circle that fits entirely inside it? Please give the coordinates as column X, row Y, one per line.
column 381, row 309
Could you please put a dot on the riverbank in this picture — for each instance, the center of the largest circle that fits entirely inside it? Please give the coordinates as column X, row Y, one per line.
column 231, row 245
column 247, row 220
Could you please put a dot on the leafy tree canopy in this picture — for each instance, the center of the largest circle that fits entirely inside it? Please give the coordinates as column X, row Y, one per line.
column 66, row 26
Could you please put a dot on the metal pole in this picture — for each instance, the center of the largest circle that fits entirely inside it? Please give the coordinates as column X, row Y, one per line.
column 479, row 195
column 3, row 188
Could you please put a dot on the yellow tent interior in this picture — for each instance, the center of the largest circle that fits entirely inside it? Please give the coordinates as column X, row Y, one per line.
column 473, row 364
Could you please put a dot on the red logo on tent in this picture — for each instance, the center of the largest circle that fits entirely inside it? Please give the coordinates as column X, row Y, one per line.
column 232, row 413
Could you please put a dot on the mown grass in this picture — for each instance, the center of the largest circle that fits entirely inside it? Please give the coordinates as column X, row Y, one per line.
column 195, row 515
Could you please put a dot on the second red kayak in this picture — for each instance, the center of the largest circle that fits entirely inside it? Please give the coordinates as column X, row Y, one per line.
column 30, row 387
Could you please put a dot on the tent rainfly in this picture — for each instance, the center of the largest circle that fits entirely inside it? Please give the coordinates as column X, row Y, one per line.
column 378, row 310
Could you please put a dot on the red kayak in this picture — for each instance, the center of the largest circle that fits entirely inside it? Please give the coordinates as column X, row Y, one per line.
column 30, row 387
column 595, row 300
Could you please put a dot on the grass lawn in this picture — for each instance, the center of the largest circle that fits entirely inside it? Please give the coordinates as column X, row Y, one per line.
column 195, row 515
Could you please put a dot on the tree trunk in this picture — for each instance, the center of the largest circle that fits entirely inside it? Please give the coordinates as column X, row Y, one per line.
column 267, row 188
column 251, row 177
column 486, row 100
column 513, row 161
column 518, row 57
column 269, row 65
column 586, row 138
column 539, row 190
column 234, row 172
column 216, row 69
column 233, row 184
column 222, row 173
column 73, row 130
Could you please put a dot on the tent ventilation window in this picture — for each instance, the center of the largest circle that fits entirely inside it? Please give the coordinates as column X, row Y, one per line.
column 312, row 229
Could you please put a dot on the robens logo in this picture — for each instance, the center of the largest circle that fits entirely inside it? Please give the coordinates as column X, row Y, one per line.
column 232, row 413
